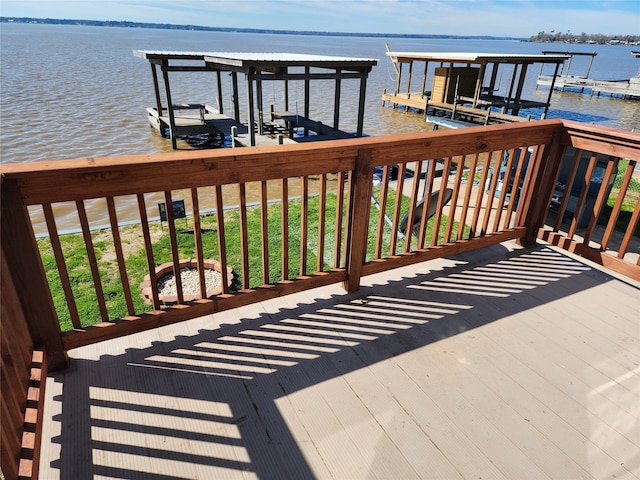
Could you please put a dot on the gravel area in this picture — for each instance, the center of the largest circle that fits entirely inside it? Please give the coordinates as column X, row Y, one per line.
column 190, row 282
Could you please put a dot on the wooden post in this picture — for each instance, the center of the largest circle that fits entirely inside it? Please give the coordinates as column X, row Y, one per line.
column 357, row 235
column 478, row 89
column 406, row 108
column 336, row 104
column 551, row 87
column 252, row 120
column 260, row 104
column 494, row 76
column 513, row 82
column 523, row 74
column 220, row 102
column 20, row 251
column 236, row 100
column 361, row 102
column 154, row 73
column 172, row 118
column 539, row 187
column 424, row 78
column 307, row 93
column 286, row 95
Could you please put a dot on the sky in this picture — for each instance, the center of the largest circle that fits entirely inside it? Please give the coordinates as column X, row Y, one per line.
column 500, row 18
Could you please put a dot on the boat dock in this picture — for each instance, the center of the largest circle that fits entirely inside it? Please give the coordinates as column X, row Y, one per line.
column 467, row 87
column 268, row 126
column 564, row 81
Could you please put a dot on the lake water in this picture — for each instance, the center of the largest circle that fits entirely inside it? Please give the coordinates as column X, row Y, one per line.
column 77, row 91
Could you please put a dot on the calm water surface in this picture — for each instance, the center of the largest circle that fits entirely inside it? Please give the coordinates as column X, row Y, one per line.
column 76, row 91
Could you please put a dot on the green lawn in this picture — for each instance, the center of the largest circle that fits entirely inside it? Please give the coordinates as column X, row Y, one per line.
column 75, row 254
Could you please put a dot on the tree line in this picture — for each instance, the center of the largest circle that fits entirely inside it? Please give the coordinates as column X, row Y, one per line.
column 598, row 38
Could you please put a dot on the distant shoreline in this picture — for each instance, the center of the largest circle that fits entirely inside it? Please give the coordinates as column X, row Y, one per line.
column 168, row 26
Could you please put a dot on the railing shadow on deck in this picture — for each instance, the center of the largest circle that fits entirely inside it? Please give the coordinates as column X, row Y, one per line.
column 209, row 400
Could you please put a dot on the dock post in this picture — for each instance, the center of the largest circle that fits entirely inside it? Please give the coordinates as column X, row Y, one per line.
column 172, row 119
column 252, row 117
column 259, row 101
column 219, row 85
column 336, row 102
column 236, row 102
column 363, row 91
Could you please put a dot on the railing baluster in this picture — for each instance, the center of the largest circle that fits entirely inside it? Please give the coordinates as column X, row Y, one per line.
column 615, row 213
column 382, row 214
column 173, row 241
column 264, row 231
column 148, row 250
column 222, row 245
column 600, row 199
column 348, row 217
column 61, row 264
column 493, row 185
column 573, row 170
column 467, row 195
column 304, row 223
column 413, row 205
column 516, row 192
column 584, row 190
column 633, row 223
column 454, row 200
column 244, row 235
column 402, row 169
column 431, row 175
column 93, row 261
column 480, row 195
column 197, row 238
column 337, row 247
column 284, row 205
column 117, row 244
column 505, row 184
column 322, row 207
column 437, row 219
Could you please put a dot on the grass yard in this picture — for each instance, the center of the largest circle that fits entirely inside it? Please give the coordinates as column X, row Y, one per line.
column 84, row 293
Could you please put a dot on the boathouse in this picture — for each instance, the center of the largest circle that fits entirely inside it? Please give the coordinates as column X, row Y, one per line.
column 467, row 86
column 176, row 120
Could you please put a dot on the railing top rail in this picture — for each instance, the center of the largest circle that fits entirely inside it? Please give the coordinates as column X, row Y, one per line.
column 608, row 140
column 67, row 180
column 437, row 139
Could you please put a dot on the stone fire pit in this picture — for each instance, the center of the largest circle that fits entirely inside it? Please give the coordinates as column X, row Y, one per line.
column 167, row 292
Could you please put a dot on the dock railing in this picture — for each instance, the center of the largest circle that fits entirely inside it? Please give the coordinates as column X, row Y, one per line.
column 288, row 218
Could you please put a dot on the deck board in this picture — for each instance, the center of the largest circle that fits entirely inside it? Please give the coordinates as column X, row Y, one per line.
column 501, row 363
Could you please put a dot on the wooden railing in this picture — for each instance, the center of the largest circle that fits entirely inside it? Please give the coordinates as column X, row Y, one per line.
column 23, row 369
column 279, row 220
column 592, row 196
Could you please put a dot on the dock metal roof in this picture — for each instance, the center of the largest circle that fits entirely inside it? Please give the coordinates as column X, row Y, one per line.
column 261, row 59
column 478, row 58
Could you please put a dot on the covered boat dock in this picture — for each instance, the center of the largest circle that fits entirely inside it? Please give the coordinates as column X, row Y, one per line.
column 467, row 86
column 267, row 127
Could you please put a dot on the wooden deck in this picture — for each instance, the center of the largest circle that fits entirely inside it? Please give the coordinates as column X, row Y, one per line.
column 502, row 363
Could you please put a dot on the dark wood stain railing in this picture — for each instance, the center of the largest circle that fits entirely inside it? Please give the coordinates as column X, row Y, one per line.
column 478, row 214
